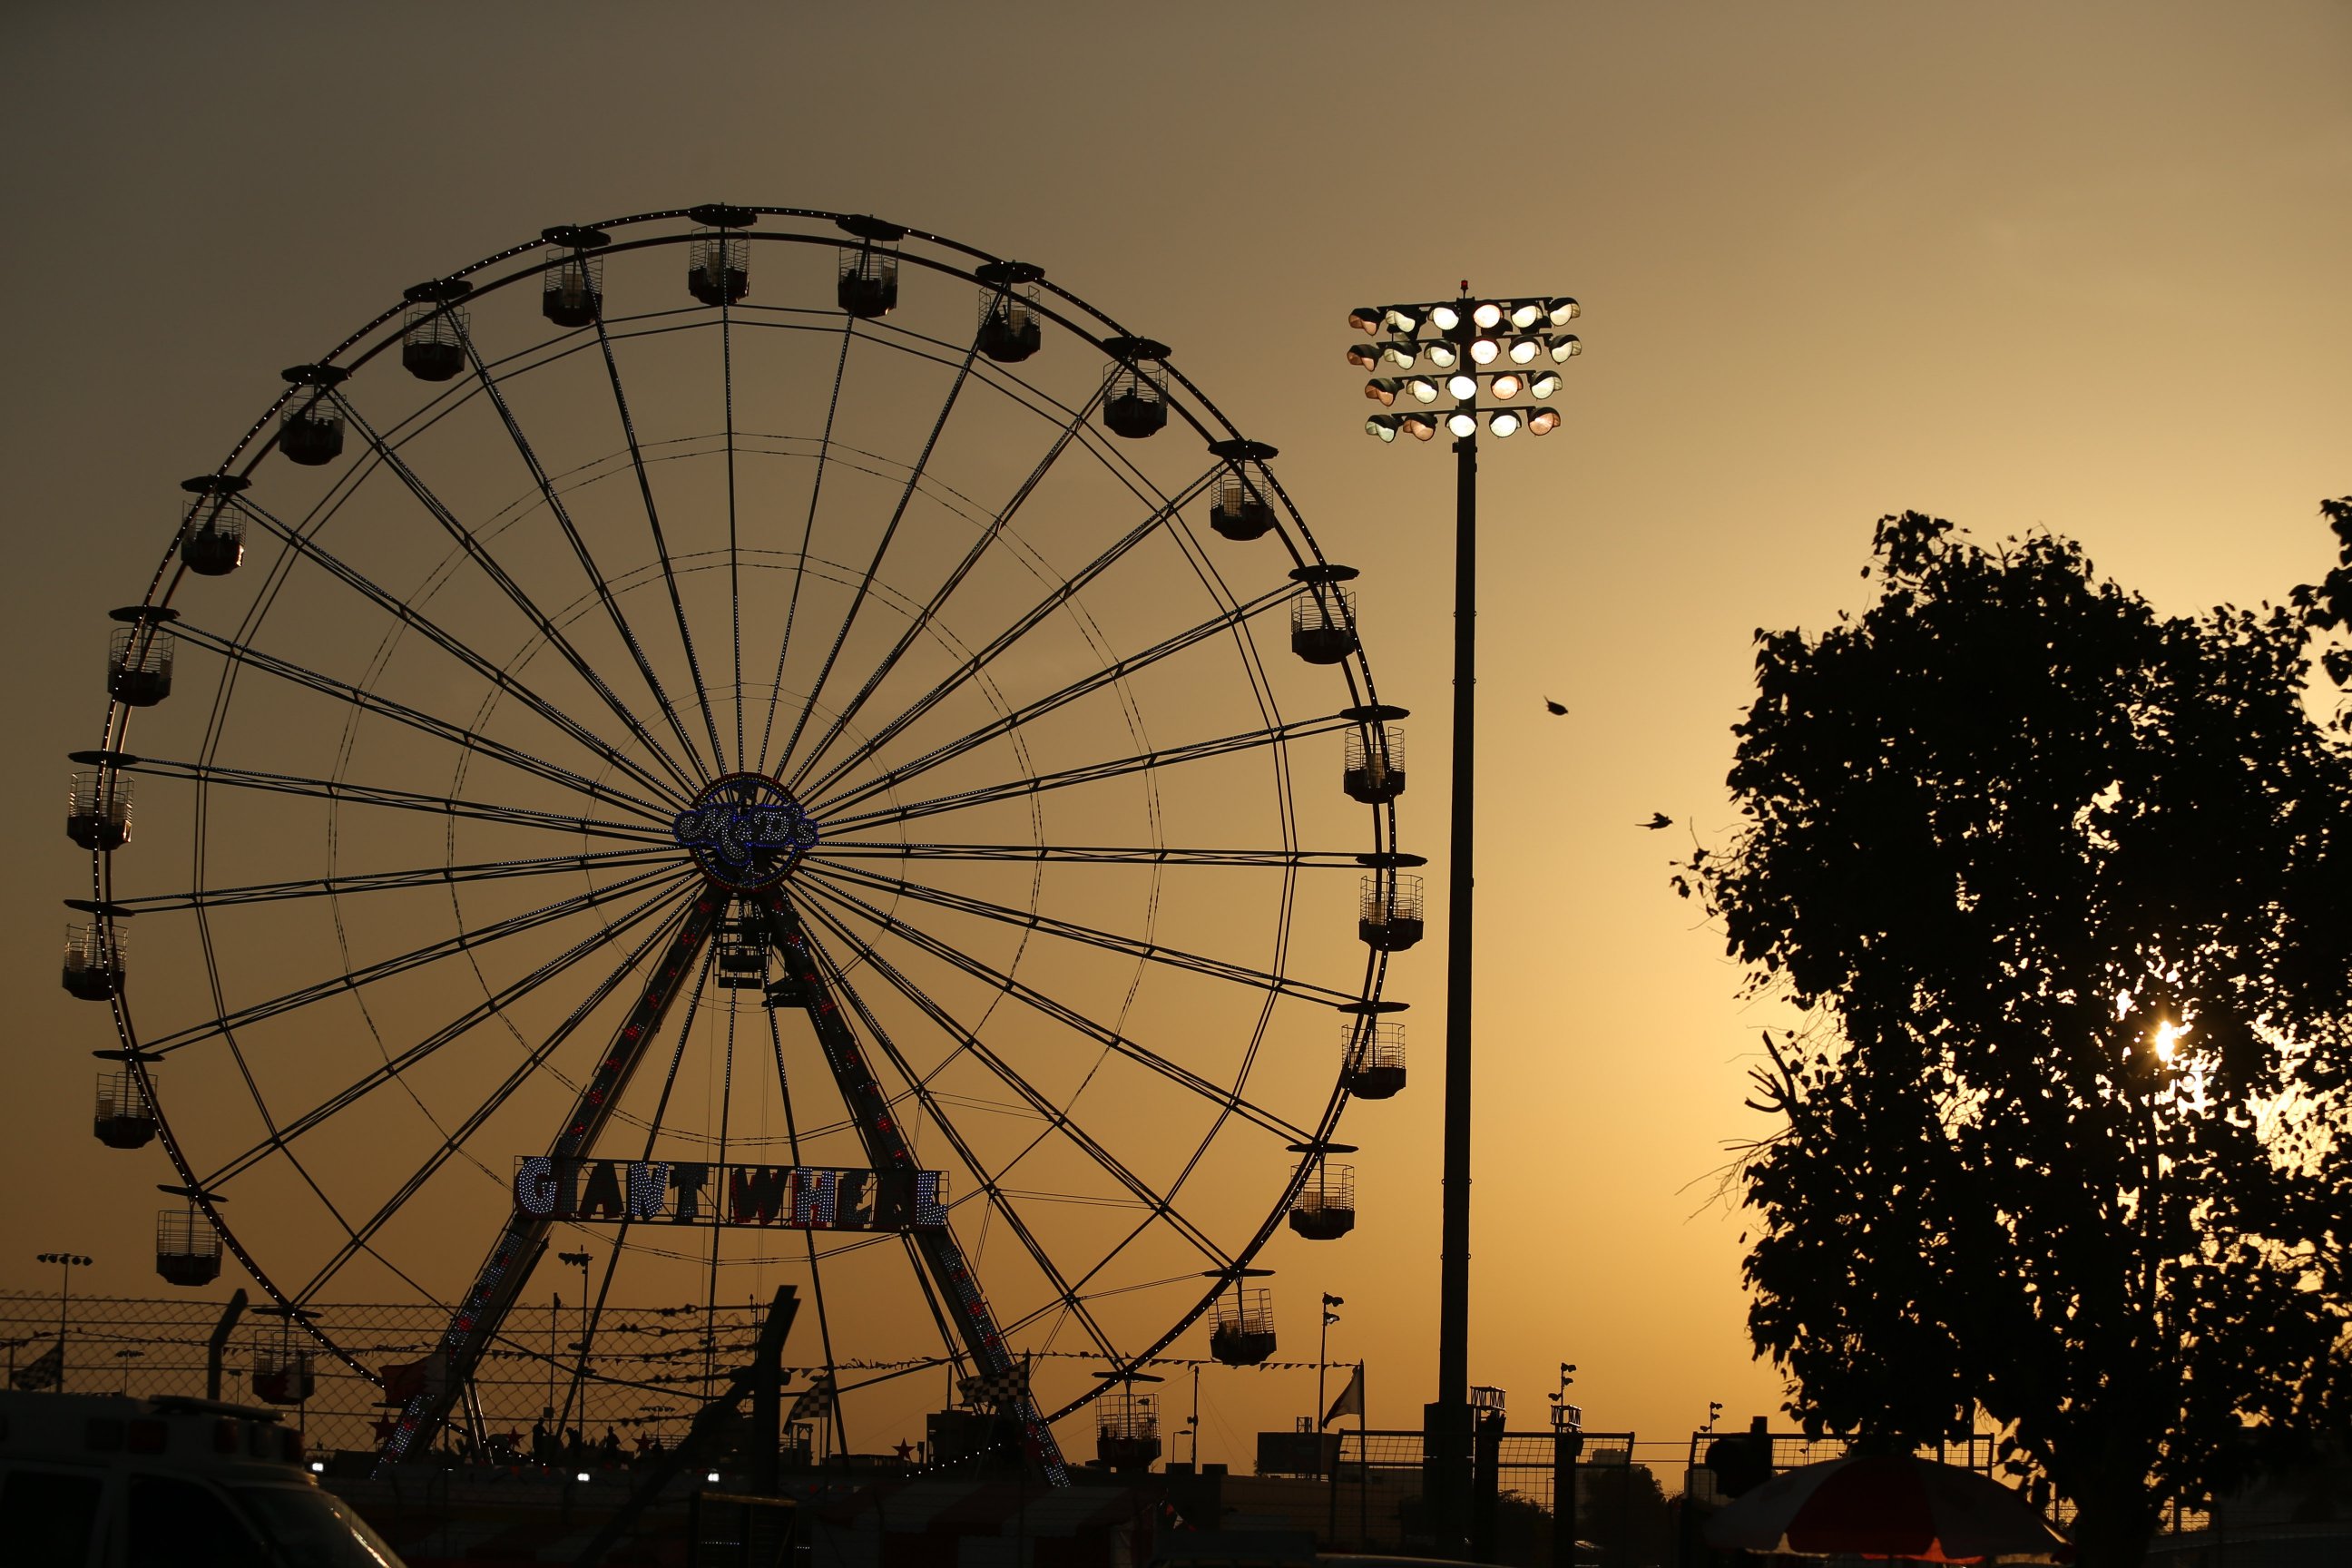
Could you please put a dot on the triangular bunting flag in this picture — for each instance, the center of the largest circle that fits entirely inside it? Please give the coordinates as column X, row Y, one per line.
column 1351, row 1399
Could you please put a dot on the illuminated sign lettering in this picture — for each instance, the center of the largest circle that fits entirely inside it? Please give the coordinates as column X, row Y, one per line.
column 785, row 1197
column 744, row 830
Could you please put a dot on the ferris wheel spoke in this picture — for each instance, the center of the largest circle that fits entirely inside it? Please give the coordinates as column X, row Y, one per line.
column 734, row 569
column 874, row 567
column 1029, row 621
column 988, row 535
column 504, row 581
column 831, row 849
column 1067, row 778
column 454, row 734
column 678, row 1055
column 453, row 1142
column 281, row 1137
column 661, row 542
column 416, row 958
column 1057, row 1120
column 839, row 984
column 693, row 1006
column 808, row 1236
column 345, row 793
column 1004, row 724
column 408, row 615
column 383, row 882
column 1070, row 930
column 563, row 516
column 808, row 531
column 893, row 924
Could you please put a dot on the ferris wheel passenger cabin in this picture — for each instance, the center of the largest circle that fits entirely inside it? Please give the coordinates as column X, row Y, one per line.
column 212, row 530
column 187, row 1249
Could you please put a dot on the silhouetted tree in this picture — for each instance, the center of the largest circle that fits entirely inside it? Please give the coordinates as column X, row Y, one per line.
column 2327, row 604
column 2064, row 888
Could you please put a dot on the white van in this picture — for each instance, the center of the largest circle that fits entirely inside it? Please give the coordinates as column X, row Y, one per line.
column 105, row 1481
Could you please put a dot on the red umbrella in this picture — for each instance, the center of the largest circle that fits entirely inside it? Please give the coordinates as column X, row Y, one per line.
column 1888, row 1505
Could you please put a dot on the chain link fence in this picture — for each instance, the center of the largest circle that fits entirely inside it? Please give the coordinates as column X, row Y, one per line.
column 647, row 1370
column 1371, row 1501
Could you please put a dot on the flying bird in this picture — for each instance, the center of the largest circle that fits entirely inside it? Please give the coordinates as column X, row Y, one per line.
column 1554, row 709
column 1657, row 819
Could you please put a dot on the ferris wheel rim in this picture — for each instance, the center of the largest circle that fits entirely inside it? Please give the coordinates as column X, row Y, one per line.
column 1296, row 532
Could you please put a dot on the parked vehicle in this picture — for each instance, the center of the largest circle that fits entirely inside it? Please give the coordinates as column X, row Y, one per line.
column 107, row 1481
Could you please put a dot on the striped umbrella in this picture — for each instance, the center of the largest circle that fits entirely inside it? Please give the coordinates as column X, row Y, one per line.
column 1888, row 1505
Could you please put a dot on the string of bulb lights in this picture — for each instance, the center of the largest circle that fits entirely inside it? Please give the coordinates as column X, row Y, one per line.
column 1491, row 347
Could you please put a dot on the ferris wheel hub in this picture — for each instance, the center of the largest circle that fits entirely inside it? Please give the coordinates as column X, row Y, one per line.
column 745, row 830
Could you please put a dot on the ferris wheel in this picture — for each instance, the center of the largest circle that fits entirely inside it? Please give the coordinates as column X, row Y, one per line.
column 769, row 748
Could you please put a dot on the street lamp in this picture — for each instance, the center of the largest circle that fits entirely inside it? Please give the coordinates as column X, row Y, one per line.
column 1323, row 1351
column 67, row 1263
column 1490, row 362
column 1565, row 1417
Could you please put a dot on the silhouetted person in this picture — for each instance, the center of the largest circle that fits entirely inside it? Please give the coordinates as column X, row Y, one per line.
column 543, row 1444
column 608, row 1451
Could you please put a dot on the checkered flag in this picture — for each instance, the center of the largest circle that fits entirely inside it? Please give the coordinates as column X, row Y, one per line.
column 44, row 1371
column 816, row 1400
column 995, row 1390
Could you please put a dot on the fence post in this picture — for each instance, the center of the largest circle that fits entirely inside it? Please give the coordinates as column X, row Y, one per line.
column 1566, row 1445
column 1487, row 1479
column 1332, row 1457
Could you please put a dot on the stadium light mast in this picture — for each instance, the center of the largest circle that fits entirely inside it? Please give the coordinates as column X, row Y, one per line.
column 1459, row 364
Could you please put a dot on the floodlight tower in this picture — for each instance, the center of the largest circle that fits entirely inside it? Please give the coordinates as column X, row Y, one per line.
column 1461, row 363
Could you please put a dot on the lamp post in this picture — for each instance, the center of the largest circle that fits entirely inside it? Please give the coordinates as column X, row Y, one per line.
column 1466, row 363
column 1564, row 1415
column 67, row 1263
column 1323, row 1351
column 1567, row 1447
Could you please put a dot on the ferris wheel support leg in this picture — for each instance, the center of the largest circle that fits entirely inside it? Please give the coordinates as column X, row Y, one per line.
column 500, row 1280
column 886, row 1150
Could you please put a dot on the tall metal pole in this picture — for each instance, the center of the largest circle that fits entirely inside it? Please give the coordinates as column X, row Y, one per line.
column 65, row 1288
column 1322, row 1354
column 1480, row 347
column 1196, row 1416
column 1454, row 1248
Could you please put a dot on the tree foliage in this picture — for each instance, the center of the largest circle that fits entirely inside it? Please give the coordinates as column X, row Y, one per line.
column 2064, row 888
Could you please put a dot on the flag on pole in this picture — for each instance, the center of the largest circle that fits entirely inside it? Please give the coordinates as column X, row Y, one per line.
column 995, row 1390
column 44, row 1371
column 815, row 1400
column 1351, row 1398
column 403, row 1381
